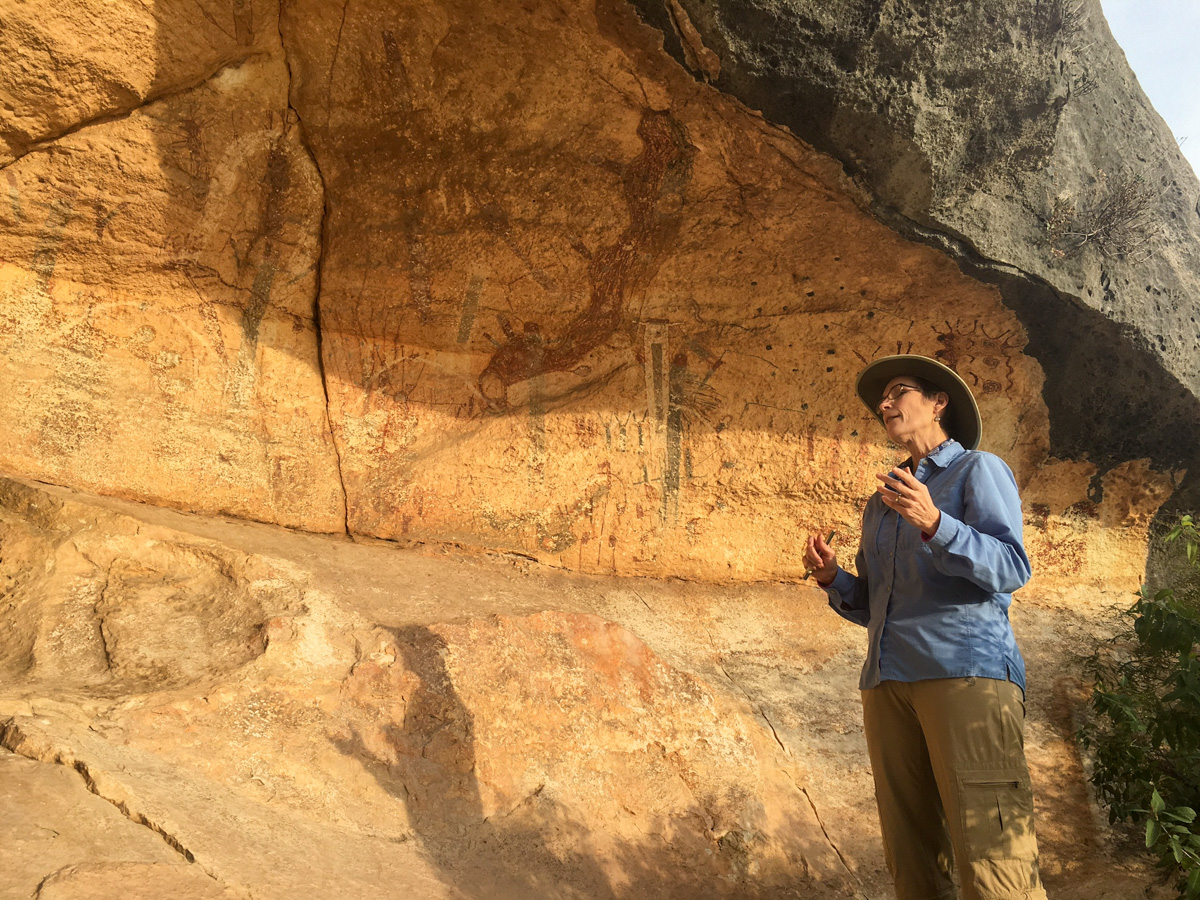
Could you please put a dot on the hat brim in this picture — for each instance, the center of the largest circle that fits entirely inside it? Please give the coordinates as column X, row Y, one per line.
column 968, row 426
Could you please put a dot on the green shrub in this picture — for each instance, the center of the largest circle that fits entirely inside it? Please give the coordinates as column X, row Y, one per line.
column 1144, row 733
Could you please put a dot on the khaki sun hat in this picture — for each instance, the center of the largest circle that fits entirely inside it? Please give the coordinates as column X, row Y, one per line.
column 967, row 425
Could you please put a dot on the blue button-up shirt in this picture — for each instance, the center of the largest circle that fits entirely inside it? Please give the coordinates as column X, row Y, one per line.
column 938, row 608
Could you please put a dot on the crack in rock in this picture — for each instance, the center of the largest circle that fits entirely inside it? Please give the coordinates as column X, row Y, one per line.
column 318, row 263
column 801, row 789
column 745, row 693
column 828, row 837
column 116, row 115
column 15, row 741
column 816, row 813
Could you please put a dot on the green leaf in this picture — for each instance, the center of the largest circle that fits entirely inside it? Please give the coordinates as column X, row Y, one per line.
column 1144, row 731
column 1153, row 832
column 1193, row 883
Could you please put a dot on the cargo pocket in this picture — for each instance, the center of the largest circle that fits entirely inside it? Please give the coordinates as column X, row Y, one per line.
column 997, row 814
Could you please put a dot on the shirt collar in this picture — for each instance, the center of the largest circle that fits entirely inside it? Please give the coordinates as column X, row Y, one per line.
column 945, row 453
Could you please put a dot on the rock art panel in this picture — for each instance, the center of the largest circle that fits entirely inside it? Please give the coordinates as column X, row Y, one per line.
column 156, row 307
column 544, row 292
column 574, row 303
column 607, row 318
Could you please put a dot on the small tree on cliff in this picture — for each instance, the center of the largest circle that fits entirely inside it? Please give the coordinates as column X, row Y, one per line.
column 1116, row 217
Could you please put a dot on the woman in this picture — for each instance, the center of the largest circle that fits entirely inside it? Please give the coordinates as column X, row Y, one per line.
column 943, row 684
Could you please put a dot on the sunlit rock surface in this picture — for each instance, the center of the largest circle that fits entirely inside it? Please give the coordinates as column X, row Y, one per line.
column 536, row 292
column 157, row 271
column 341, row 719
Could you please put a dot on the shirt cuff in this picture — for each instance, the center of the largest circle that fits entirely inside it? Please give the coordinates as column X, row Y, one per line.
column 928, row 536
column 843, row 582
column 948, row 528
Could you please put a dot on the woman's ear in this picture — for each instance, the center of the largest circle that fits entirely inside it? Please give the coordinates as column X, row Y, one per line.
column 940, row 402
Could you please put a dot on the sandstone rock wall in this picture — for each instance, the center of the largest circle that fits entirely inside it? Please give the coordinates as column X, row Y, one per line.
column 533, row 290
column 1005, row 133
column 516, row 279
column 158, row 262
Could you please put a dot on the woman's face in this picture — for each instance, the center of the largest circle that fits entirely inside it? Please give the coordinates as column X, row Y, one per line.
column 907, row 412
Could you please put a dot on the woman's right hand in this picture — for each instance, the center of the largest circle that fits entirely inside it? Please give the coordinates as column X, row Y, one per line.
column 819, row 559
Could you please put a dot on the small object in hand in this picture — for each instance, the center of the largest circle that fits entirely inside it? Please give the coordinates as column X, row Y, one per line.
column 907, row 467
column 828, row 540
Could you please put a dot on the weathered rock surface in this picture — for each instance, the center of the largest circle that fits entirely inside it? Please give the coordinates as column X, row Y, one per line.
column 158, row 275
column 510, row 278
column 51, row 822
column 624, row 293
column 339, row 743
column 75, row 63
column 571, row 302
column 343, row 718
column 132, row 881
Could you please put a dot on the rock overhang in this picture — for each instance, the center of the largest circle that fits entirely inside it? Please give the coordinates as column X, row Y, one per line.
column 971, row 129
column 510, row 280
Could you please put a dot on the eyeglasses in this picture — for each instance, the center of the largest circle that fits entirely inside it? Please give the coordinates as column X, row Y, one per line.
column 895, row 394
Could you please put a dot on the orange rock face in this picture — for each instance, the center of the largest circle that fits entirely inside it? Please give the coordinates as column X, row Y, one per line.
column 612, row 322
column 157, row 284
column 489, row 753
column 499, row 278
column 420, row 273
column 565, row 736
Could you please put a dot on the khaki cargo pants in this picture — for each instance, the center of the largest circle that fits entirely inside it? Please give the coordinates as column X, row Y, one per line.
column 948, row 756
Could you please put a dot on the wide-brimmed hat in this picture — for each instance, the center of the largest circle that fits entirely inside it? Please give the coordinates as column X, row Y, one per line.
column 968, row 426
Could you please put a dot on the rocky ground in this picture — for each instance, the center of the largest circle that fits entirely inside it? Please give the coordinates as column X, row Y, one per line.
column 196, row 707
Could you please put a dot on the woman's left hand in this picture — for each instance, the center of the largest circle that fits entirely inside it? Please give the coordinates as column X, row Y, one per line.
column 903, row 492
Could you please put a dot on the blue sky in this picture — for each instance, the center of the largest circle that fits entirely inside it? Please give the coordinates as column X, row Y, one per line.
column 1160, row 39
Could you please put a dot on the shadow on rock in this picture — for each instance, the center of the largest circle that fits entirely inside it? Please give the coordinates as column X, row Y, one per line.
column 556, row 840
